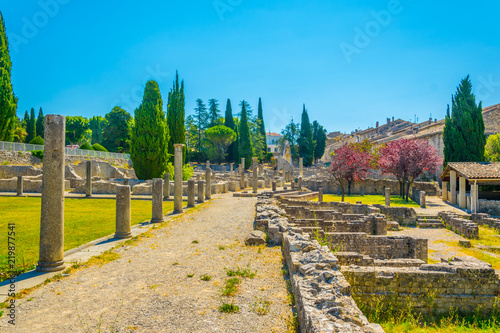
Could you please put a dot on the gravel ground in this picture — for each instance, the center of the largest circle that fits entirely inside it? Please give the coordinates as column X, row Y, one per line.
column 148, row 289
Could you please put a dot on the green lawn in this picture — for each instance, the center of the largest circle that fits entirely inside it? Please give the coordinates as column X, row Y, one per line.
column 396, row 201
column 84, row 220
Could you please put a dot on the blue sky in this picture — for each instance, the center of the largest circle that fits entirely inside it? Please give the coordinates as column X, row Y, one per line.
column 351, row 62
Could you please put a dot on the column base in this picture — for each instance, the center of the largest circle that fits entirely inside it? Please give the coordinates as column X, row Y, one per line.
column 157, row 220
column 50, row 266
column 165, row 198
column 123, row 235
column 178, row 211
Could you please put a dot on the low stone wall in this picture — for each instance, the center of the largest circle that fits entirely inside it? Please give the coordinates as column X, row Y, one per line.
column 341, row 207
column 486, row 219
column 370, row 186
column 460, row 225
column 10, row 171
column 146, row 188
column 29, row 185
column 466, row 287
column 403, row 215
column 491, row 207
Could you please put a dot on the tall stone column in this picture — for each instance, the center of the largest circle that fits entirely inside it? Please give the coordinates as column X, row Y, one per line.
column 201, row 191
column 208, row 179
column 462, row 199
column 422, row 199
column 474, row 198
column 20, row 186
column 261, row 170
column 301, row 166
column 274, row 186
column 300, row 183
column 52, row 214
column 242, row 173
column 387, row 196
column 444, row 191
column 191, row 186
column 123, row 212
column 453, row 187
column 320, row 194
column 88, row 187
column 254, row 175
column 231, row 169
column 166, row 186
column 157, row 194
column 178, row 178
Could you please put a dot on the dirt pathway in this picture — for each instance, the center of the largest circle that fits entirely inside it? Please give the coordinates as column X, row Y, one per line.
column 149, row 288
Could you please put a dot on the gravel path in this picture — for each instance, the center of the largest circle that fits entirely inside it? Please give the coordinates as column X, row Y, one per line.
column 148, row 289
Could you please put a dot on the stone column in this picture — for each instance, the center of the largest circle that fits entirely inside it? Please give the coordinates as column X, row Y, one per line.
column 88, row 187
column 361, row 191
column 387, row 196
column 123, row 212
column 178, row 178
column 474, row 196
column 201, row 192
column 242, row 173
column 261, row 170
column 422, row 199
column 462, row 199
column 254, row 175
column 320, row 195
column 157, row 197
column 453, row 187
column 191, row 186
column 300, row 183
column 52, row 214
column 444, row 191
column 274, row 186
column 208, row 178
column 19, row 186
column 301, row 166
column 231, row 169
column 166, row 186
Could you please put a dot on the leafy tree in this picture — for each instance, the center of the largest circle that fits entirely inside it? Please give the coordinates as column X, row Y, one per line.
column 31, row 126
column 492, row 150
column 40, row 124
column 76, row 129
column 8, row 101
column 348, row 165
column 306, row 143
column 232, row 155
column 96, row 125
column 20, row 134
column 98, row 147
column 245, row 143
column 116, row 131
column 319, row 138
column 37, row 141
column 176, row 116
column 463, row 134
column 150, row 136
column 198, row 125
column 214, row 117
column 86, row 146
column 261, row 126
column 291, row 134
column 408, row 159
column 220, row 137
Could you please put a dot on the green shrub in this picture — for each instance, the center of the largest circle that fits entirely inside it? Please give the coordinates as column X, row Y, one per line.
column 86, row 146
column 98, row 147
column 187, row 171
column 37, row 141
column 37, row 153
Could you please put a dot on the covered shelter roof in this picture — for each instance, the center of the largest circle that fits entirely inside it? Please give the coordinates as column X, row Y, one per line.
column 484, row 173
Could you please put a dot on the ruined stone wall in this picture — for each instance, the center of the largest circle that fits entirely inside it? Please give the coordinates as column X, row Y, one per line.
column 462, row 286
column 341, row 207
column 462, row 226
column 402, row 215
column 486, row 219
column 29, row 185
column 491, row 207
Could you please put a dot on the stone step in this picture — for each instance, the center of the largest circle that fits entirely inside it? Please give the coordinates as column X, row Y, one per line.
column 432, row 225
column 427, row 217
column 429, row 220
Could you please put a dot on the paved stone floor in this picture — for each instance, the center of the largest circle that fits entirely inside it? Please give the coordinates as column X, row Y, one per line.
column 436, row 205
column 148, row 289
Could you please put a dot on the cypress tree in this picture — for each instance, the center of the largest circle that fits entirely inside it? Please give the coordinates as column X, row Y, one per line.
column 245, row 143
column 40, row 124
column 306, row 143
column 26, row 119
column 176, row 116
column 213, row 113
column 319, row 138
column 31, row 126
column 201, row 121
column 96, row 125
column 150, row 137
column 8, row 101
column 262, row 127
column 463, row 134
column 232, row 155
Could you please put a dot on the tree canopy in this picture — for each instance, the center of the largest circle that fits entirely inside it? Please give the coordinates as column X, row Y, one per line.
column 220, row 137
column 116, row 131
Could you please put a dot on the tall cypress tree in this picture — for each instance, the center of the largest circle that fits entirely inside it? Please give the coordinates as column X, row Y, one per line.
column 40, row 124
column 306, row 143
column 463, row 134
column 8, row 101
column 262, row 127
column 176, row 116
column 245, row 143
column 96, row 124
column 150, row 137
column 31, row 126
column 232, row 155
column 319, row 138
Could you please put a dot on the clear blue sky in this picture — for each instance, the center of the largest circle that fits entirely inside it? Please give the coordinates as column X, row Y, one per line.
column 350, row 66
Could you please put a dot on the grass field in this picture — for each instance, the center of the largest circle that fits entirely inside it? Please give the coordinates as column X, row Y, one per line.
column 84, row 220
column 396, row 201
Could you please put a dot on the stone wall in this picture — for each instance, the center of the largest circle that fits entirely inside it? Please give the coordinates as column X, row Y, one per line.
column 486, row 219
column 460, row 225
column 9, row 171
column 491, row 207
column 30, row 185
column 403, row 215
column 466, row 287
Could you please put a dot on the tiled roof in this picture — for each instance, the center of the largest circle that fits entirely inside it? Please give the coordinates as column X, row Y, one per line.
column 273, row 134
column 475, row 170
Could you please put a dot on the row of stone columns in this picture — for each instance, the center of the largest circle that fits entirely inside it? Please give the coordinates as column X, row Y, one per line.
column 459, row 198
